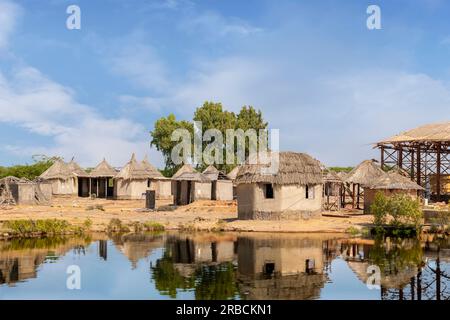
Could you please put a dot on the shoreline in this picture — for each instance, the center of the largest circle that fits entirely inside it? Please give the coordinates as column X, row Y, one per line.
column 198, row 216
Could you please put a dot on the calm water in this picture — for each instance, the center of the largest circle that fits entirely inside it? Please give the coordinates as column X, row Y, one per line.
column 225, row 266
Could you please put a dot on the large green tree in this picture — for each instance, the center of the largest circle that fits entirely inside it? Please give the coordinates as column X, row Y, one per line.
column 29, row 171
column 213, row 116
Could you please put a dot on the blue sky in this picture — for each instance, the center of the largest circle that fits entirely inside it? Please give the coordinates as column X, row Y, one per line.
column 319, row 75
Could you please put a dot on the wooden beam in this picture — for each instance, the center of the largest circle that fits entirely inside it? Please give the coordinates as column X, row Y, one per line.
column 438, row 172
column 419, row 169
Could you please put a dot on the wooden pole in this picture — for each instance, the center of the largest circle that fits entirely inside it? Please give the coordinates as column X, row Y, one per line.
column 106, row 188
column 358, row 194
column 353, row 197
column 382, row 157
column 419, row 169
column 438, row 172
column 400, row 158
column 90, row 187
column 96, row 195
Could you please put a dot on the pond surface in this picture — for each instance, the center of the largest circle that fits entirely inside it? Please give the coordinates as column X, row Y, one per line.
column 224, row 266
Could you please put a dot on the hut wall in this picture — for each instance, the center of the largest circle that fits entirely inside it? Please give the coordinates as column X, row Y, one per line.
column 45, row 189
column 201, row 190
column 369, row 196
column 64, row 187
column 224, row 190
column 289, row 202
column 130, row 189
column 162, row 188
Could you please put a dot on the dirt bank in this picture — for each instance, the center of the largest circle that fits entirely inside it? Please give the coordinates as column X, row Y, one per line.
column 201, row 215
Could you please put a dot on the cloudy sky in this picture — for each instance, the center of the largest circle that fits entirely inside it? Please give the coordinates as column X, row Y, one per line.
column 319, row 75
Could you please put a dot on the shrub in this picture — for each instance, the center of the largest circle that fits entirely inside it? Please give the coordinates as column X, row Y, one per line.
column 153, row 226
column 398, row 211
column 45, row 226
column 116, row 225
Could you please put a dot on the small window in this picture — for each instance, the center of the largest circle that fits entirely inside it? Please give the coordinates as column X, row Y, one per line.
column 309, row 192
column 269, row 268
column 309, row 265
column 148, row 183
column 268, row 191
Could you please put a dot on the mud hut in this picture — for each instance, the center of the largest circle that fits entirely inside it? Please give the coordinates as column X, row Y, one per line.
column 61, row 178
column 390, row 183
column 156, row 181
column 185, row 168
column 82, row 179
column 294, row 192
column 221, row 185
column 191, row 186
column 361, row 176
column 132, row 181
column 101, row 182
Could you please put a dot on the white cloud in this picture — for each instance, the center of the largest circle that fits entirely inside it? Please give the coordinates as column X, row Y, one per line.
column 9, row 13
column 44, row 107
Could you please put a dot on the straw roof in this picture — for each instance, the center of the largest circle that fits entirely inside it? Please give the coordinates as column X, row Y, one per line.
column 233, row 173
column 153, row 173
column 193, row 176
column 185, row 168
column 133, row 170
column 293, row 168
column 394, row 181
column 429, row 132
column 331, row 176
column 76, row 169
column 58, row 170
column 211, row 173
column 103, row 170
column 365, row 173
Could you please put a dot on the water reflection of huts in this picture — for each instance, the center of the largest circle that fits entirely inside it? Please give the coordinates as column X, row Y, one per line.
column 282, row 267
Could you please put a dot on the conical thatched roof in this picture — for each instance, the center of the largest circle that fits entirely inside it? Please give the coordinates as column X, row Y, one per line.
column 58, row 170
column 331, row 176
column 293, row 168
column 76, row 169
column 233, row 173
column 193, row 176
column 365, row 173
column 133, row 170
column 153, row 173
column 211, row 172
column 103, row 170
column 185, row 168
column 394, row 181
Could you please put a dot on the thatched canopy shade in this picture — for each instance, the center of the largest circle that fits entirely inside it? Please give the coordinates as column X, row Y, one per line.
column 365, row 173
column 76, row 169
column 294, row 168
column 233, row 173
column 103, row 170
column 133, row 170
column 58, row 170
column 394, row 181
column 185, row 168
column 152, row 172
column 192, row 176
column 430, row 132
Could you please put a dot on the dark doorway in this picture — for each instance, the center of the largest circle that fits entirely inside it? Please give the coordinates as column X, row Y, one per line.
column 178, row 199
column 189, row 190
column 214, row 190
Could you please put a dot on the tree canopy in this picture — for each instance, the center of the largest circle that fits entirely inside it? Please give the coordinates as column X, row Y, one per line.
column 28, row 171
column 213, row 116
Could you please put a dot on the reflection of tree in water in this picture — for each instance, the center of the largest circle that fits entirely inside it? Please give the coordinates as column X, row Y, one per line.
column 216, row 282
column 168, row 279
column 210, row 282
column 428, row 280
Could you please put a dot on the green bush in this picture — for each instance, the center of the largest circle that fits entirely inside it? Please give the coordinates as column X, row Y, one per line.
column 30, row 227
column 398, row 211
column 116, row 225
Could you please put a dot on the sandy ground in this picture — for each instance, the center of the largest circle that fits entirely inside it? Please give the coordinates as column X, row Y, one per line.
column 201, row 215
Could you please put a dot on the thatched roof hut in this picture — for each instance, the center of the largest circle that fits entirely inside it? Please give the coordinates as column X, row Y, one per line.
column 365, row 173
column 76, row 169
column 103, row 170
column 185, row 168
column 58, row 170
column 153, row 173
column 331, row 176
column 133, row 170
column 394, row 181
column 293, row 168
